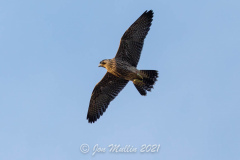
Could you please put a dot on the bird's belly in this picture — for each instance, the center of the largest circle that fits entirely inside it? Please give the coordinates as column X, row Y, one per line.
column 125, row 74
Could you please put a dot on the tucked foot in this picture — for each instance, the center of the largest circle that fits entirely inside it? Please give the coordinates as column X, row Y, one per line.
column 137, row 81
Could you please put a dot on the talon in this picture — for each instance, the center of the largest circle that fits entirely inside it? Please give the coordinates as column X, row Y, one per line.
column 137, row 80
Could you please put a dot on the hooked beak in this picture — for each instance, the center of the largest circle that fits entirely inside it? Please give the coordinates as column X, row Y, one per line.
column 100, row 65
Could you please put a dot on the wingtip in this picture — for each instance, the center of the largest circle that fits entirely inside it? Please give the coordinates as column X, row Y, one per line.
column 90, row 119
column 149, row 12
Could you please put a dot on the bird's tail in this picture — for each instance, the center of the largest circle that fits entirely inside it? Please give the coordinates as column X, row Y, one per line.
column 149, row 77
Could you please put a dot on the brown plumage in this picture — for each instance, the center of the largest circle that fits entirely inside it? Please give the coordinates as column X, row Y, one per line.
column 122, row 69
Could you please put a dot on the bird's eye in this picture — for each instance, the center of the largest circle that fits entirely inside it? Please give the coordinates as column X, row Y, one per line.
column 102, row 62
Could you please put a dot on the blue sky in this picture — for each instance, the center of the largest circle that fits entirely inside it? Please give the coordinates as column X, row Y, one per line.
column 49, row 56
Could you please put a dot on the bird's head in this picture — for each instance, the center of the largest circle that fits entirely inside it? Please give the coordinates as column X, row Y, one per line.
column 103, row 63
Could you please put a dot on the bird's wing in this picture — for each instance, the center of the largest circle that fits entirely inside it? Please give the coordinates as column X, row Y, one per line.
column 131, row 43
column 103, row 93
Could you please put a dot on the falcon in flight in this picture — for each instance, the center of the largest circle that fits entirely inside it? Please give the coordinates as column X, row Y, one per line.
column 122, row 68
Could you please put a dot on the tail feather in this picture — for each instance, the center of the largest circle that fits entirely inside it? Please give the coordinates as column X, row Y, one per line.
column 146, row 84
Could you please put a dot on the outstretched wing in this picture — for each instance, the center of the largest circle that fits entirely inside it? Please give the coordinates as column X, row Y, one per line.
column 104, row 92
column 131, row 43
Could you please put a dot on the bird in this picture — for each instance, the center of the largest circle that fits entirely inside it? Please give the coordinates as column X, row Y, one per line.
column 123, row 68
